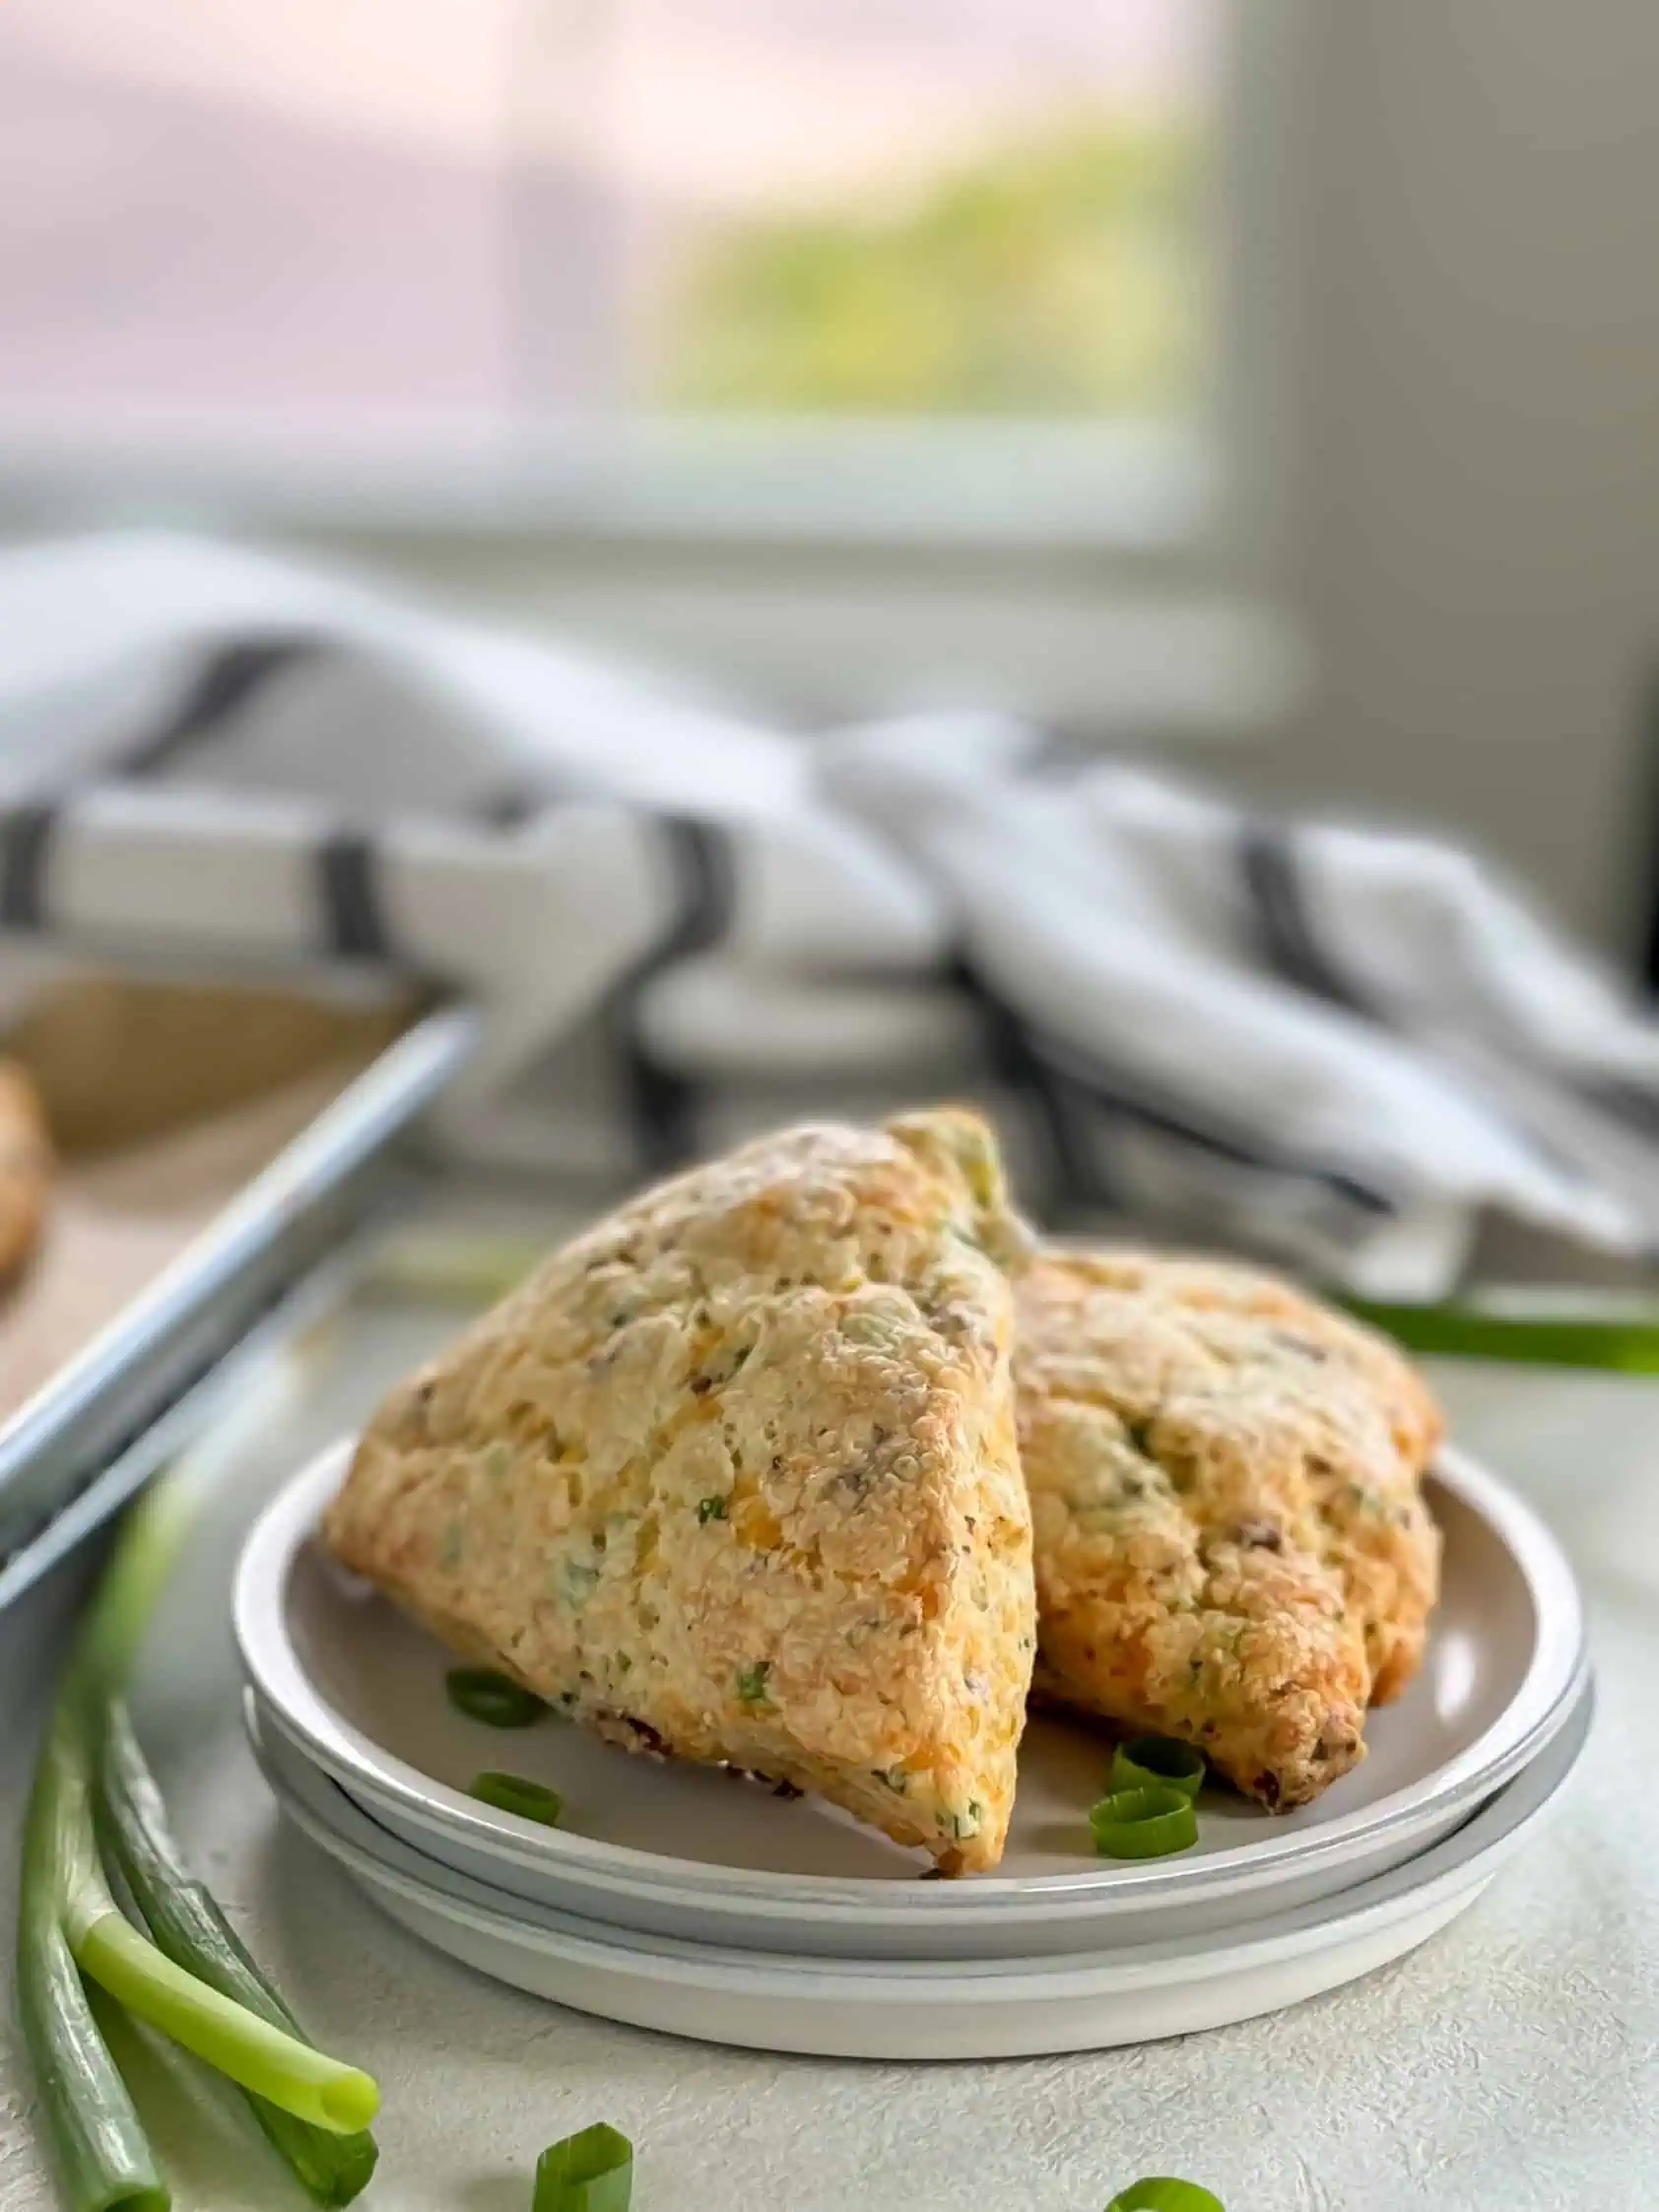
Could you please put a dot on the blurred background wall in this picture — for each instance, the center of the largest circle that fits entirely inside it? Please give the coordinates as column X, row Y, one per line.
column 1480, row 565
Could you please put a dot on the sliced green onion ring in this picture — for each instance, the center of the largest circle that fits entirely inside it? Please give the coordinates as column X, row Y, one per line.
column 515, row 1793
column 590, row 2171
column 495, row 1699
column 1146, row 1823
column 1157, row 2194
column 1155, row 1762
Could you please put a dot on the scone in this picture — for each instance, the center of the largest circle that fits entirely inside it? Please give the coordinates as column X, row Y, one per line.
column 26, row 1167
column 734, row 1477
column 1230, row 1540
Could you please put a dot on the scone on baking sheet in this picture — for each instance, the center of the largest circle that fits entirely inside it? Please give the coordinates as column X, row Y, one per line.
column 26, row 1167
column 734, row 1477
column 1230, row 1540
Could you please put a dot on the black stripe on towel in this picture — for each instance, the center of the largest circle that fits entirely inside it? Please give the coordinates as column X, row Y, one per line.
column 508, row 809
column 1285, row 932
column 1290, row 945
column 1133, row 1100
column 354, row 923
column 1075, row 1175
column 217, row 695
column 1079, row 1093
column 26, row 835
column 661, row 1101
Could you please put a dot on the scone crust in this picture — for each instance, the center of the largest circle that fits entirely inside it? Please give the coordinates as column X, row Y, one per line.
column 734, row 1476
column 26, row 1167
column 1231, row 1542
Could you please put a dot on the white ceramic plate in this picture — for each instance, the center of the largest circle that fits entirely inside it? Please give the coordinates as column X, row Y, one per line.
column 692, row 1853
column 913, row 2010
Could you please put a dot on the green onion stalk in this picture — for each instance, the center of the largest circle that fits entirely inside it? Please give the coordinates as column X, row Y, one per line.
column 193, row 1981
column 1616, row 1344
column 185, row 1921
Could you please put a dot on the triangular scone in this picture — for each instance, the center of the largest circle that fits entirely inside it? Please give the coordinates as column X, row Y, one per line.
column 734, row 1477
column 1231, row 1545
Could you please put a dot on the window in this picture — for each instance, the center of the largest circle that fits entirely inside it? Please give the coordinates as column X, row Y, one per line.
column 960, row 273
column 893, row 208
column 290, row 212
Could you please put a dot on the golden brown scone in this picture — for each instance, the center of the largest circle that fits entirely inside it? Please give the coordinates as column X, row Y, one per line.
column 26, row 1167
column 1231, row 1544
column 734, row 1477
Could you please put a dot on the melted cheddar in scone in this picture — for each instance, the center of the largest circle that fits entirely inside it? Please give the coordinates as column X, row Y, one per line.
column 734, row 1477
column 1231, row 1542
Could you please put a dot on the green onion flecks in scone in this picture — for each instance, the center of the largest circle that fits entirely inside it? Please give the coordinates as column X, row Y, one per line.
column 1230, row 1539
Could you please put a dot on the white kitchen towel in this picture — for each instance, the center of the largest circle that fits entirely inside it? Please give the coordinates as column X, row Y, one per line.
column 1346, row 1047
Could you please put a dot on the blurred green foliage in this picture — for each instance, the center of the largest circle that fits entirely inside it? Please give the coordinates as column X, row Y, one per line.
column 1058, row 276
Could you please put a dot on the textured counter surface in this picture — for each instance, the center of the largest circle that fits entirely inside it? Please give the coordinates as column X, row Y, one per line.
column 1511, row 2066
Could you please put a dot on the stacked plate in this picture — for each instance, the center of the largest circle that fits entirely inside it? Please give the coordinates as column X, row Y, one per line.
column 691, row 1901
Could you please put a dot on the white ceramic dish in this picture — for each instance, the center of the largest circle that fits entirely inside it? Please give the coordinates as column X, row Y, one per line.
column 689, row 1852
column 927, row 2010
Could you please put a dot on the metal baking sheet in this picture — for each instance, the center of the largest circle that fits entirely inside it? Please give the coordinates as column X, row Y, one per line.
column 91, row 1416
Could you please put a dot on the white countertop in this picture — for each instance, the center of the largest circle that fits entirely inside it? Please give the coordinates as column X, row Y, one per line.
column 1512, row 2065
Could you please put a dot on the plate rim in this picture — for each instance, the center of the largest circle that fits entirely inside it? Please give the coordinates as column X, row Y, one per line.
column 1465, row 1861
column 272, row 1664
column 606, row 1895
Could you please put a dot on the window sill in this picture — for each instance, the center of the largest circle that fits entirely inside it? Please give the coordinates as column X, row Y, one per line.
column 1132, row 491
column 1069, row 576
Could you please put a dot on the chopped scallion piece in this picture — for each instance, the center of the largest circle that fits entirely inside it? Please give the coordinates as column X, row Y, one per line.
column 1146, row 1823
column 590, row 2171
column 514, row 1793
column 495, row 1699
column 1157, row 1759
column 1159, row 2196
column 267, row 2060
